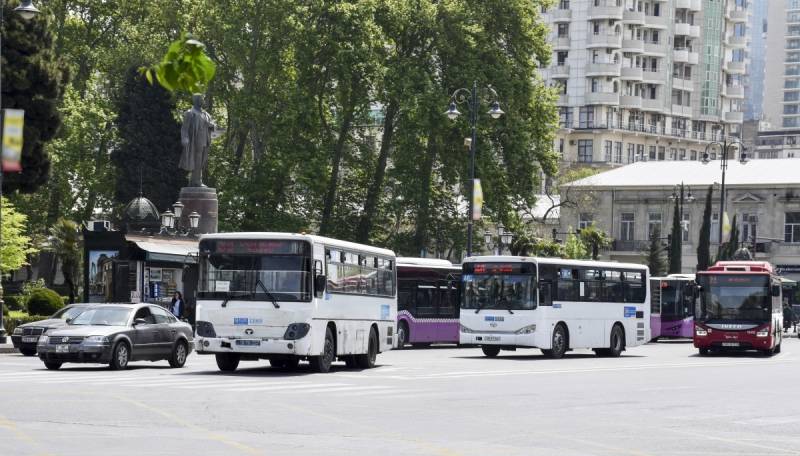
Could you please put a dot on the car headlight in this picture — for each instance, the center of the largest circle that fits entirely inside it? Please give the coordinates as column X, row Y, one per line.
column 700, row 332
column 526, row 330
column 96, row 340
column 17, row 331
column 464, row 329
column 763, row 333
column 43, row 340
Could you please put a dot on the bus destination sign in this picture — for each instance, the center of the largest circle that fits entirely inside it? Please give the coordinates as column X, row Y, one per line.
column 499, row 268
column 257, row 247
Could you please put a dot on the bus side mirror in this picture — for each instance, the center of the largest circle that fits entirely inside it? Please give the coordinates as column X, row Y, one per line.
column 776, row 290
column 320, row 282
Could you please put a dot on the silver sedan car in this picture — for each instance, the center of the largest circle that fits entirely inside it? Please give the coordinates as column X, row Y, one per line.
column 116, row 334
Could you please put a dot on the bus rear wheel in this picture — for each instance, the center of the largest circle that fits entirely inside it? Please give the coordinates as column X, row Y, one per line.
column 490, row 351
column 322, row 363
column 617, row 342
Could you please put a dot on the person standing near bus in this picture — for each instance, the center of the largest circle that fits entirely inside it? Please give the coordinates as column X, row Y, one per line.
column 176, row 307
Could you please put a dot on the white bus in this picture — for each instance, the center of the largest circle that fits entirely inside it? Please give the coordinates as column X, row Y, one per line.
column 286, row 297
column 553, row 304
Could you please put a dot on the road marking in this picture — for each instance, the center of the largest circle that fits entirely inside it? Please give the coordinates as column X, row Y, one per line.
column 284, row 387
column 339, row 389
column 6, row 423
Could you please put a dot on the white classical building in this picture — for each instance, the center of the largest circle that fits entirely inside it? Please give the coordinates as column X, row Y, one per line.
column 632, row 201
column 646, row 79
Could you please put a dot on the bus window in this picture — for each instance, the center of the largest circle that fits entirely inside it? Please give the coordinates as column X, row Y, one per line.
column 634, row 286
column 448, row 300
column 425, row 301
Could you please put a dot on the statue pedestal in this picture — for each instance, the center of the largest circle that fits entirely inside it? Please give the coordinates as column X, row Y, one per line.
column 202, row 200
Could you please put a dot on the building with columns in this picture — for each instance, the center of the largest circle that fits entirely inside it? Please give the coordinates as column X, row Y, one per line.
column 630, row 202
column 646, row 79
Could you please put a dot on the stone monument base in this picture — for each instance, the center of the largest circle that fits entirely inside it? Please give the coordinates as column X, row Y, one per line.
column 202, row 200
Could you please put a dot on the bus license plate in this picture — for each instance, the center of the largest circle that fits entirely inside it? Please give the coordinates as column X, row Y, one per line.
column 491, row 338
column 730, row 344
column 248, row 342
column 62, row 348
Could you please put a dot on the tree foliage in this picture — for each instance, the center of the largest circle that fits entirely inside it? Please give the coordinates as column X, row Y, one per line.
column 65, row 243
column 575, row 248
column 33, row 80
column 704, row 243
column 727, row 250
column 15, row 245
column 595, row 240
column 184, row 67
column 676, row 239
column 655, row 255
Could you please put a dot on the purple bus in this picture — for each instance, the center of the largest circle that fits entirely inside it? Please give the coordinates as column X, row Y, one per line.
column 672, row 306
column 427, row 301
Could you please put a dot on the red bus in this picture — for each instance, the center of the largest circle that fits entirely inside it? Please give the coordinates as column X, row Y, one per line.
column 740, row 308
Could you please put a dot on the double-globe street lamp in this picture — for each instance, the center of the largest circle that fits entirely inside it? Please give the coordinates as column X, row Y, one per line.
column 472, row 98
column 504, row 238
column 171, row 221
column 682, row 194
column 726, row 144
column 27, row 11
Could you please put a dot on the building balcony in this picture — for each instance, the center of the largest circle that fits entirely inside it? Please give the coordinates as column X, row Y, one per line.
column 683, row 84
column 603, row 69
column 685, row 56
column 604, row 40
column 563, row 100
column 633, row 17
column 657, row 22
column 691, row 5
column 656, row 105
column 655, row 49
column 630, row 102
column 630, row 246
column 736, row 42
column 687, row 30
column 605, row 12
column 559, row 72
column 654, row 77
column 735, row 67
column 631, row 74
column 561, row 15
column 682, row 111
column 602, row 98
column 734, row 117
column 561, row 43
column 736, row 15
column 735, row 92
column 633, row 46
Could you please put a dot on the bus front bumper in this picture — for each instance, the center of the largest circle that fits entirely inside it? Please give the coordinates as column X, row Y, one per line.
column 213, row 345
column 506, row 339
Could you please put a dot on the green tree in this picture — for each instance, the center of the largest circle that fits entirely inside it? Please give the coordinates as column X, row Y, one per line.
column 149, row 144
column 704, row 243
column 33, row 80
column 728, row 249
column 574, row 247
column 65, row 243
column 655, row 255
column 676, row 239
column 595, row 239
column 15, row 245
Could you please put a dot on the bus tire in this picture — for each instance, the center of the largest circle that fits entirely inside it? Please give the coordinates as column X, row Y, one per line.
column 367, row 360
column 402, row 335
column 490, row 351
column 702, row 351
column 778, row 347
column 560, row 343
column 617, row 342
column 322, row 363
column 227, row 362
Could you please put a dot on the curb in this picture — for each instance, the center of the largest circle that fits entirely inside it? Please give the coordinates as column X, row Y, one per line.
column 6, row 349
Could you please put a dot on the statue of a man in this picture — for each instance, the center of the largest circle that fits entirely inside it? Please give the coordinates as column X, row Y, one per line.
column 196, row 134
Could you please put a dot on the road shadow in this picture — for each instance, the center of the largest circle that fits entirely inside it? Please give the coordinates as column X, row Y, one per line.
column 734, row 354
column 672, row 341
column 104, row 368
column 265, row 370
column 541, row 357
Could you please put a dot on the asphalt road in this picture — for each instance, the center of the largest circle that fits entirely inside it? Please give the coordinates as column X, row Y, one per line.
column 659, row 399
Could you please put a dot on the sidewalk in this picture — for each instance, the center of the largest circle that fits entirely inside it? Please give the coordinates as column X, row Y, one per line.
column 7, row 348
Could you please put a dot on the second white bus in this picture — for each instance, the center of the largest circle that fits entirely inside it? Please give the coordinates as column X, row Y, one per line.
column 553, row 304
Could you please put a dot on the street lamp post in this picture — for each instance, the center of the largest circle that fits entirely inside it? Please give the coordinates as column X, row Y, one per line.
column 683, row 197
column 503, row 238
column 171, row 221
column 472, row 97
column 724, row 146
column 27, row 11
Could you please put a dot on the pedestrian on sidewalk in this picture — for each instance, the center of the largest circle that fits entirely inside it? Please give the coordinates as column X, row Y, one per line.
column 177, row 305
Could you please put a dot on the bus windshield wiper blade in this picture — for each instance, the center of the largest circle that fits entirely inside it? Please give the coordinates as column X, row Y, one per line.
column 267, row 292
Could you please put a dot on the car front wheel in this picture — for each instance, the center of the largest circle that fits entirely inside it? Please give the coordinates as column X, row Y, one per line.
column 120, row 356
column 52, row 365
column 179, row 354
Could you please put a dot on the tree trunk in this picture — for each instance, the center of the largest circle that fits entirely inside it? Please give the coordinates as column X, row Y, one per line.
column 376, row 187
column 424, row 210
column 336, row 163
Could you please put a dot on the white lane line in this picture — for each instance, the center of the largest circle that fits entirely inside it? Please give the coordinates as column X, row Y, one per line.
column 228, row 383
column 268, row 388
column 338, row 389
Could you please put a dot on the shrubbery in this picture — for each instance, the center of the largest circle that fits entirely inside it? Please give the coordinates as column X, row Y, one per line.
column 12, row 323
column 44, row 301
column 14, row 302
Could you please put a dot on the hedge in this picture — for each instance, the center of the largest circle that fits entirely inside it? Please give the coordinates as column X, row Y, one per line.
column 12, row 323
column 14, row 302
column 44, row 301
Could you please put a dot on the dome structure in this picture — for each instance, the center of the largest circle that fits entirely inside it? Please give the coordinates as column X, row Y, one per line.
column 141, row 215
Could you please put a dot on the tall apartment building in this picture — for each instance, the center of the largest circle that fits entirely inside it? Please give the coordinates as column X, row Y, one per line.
column 754, row 84
column 782, row 79
column 646, row 79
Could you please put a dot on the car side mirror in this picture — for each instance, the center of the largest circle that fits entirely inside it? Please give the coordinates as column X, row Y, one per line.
column 776, row 290
column 68, row 320
column 320, row 282
column 139, row 321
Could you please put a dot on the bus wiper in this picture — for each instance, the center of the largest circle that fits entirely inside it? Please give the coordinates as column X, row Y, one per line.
column 267, row 292
column 508, row 304
column 478, row 309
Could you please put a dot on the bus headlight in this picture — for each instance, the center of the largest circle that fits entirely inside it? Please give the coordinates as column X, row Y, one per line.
column 296, row 331
column 527, row 330
column 205, row 329
column 700, row 332
column 464, row 329
column 763, row 333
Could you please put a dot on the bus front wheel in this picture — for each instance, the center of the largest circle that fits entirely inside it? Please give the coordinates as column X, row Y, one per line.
column 703, row 351
column 490, row 351
column 402, row 335
column 367, row 360
column 227, row 362
column 322, row 363
column 559, row 345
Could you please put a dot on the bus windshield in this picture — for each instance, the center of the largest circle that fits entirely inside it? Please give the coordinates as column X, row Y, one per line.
column 495, row 286
column 676, row 301
column 254, row 270
column 735, row 297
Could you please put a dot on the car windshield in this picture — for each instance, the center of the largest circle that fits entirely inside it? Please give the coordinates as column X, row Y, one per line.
column 68, row 313
column 103, row 316
column 732, row 297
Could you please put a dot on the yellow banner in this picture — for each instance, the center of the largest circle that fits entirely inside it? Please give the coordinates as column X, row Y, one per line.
column 477, row 200
column 13, row 122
